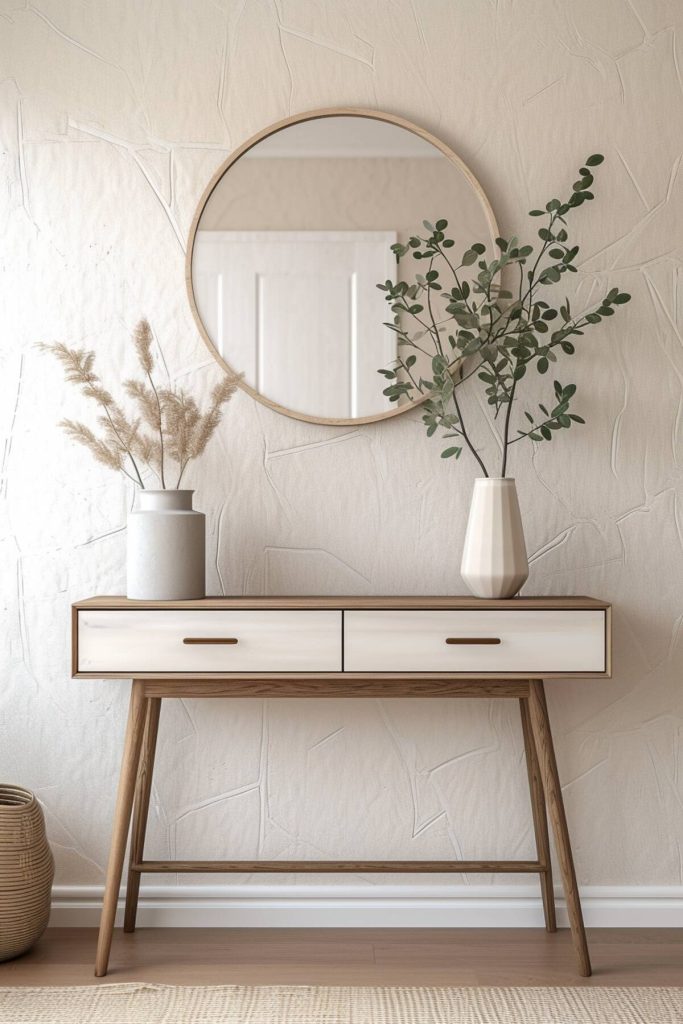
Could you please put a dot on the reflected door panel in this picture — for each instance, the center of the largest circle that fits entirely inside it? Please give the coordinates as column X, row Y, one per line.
column 299, row 313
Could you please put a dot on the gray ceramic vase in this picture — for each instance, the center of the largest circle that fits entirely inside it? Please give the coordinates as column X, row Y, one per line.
column 166, row 541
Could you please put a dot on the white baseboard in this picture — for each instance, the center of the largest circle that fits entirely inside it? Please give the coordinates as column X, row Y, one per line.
column 372, row 906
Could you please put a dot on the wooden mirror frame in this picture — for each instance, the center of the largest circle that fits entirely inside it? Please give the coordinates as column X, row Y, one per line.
column 314, row 115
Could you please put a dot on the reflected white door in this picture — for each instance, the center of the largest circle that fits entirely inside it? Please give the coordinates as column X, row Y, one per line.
column 300, row 314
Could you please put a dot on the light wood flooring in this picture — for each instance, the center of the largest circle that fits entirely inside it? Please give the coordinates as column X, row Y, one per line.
column 335, row 956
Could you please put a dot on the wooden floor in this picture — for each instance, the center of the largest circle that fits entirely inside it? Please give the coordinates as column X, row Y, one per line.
column 335, row 956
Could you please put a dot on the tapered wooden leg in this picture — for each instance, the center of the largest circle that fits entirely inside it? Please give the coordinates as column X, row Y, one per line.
column 540, row 817
column 543, row 741
column 143, row 790
column 124, row 805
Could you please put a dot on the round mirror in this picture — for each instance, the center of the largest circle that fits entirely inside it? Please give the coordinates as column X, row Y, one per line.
column 292, row 237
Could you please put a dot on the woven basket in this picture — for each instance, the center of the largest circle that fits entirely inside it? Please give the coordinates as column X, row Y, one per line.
column 26, row 871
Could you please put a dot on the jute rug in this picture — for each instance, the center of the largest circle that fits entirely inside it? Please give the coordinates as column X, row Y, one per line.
column 235, row 1004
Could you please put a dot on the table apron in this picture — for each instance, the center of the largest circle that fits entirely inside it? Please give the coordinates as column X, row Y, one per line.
column 328, row 688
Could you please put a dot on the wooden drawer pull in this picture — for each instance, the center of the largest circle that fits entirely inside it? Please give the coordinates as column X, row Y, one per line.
column 210, row 640
column 473, row 640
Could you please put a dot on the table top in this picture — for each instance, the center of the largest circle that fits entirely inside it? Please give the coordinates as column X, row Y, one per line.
column 447, row 603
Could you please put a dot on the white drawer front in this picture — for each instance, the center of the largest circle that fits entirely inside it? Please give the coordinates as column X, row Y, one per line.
column 154, row 641
column 529, row 641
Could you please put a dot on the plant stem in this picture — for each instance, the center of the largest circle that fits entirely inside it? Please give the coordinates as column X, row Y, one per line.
column 126, row 473
column 431, row 313
column 456, row 384
column 124, row 446
column 532, row 430
column 427, row 328
column 410, row 375
column 462, row 428
column 506, row 431
column 466, row 436
column 161, row 432
column 455, row 275
column 180, row 474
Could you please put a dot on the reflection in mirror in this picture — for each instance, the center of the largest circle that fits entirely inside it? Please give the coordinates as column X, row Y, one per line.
column 292, row 242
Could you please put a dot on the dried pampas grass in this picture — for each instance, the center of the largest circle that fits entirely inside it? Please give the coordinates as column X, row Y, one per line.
column 169, row 427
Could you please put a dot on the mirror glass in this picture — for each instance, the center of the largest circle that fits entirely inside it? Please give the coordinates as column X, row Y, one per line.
column 292, row 241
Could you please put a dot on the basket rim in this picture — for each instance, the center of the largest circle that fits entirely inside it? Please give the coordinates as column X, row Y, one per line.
column 24, row 797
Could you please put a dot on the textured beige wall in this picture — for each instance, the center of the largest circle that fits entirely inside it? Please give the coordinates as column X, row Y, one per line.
column 112, row 118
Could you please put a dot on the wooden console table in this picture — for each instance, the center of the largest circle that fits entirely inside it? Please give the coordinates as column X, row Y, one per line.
column 339, row 647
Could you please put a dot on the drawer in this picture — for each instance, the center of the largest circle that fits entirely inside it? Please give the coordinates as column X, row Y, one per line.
column 165, row 641
column 486, row 640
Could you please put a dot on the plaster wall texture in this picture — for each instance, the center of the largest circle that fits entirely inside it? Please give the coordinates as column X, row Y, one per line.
column 112, row 119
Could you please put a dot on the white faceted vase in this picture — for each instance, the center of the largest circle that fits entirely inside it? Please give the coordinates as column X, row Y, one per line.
column 166, row 540
column 494, row 560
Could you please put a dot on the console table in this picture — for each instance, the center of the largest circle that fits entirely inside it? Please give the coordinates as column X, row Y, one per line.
column 339, row 647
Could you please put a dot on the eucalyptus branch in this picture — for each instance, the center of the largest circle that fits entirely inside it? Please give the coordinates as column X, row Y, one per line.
column 508, row 338
column 428, row 330
column 454, row 272
column 463, row 431
column 466, row 376
column 407, row 370
column 431, row 314
column 506, row 430
column 465, row 435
